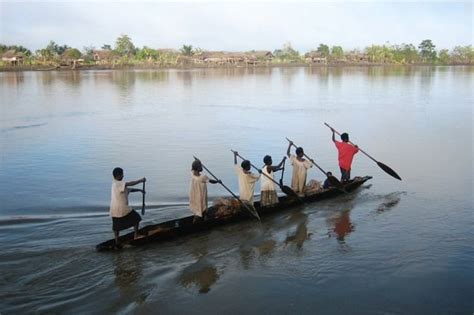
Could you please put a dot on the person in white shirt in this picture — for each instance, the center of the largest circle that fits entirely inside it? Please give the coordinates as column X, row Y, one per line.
column 268, row 196
column 122, row 215
column 247, row 179
column 198, row 190
column 300, row 169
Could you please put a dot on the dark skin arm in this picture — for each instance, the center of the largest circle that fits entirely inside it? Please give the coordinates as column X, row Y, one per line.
column 279, row 167
column 136, row 190
column 212, row 181
column 135, row 182
column 333, row 135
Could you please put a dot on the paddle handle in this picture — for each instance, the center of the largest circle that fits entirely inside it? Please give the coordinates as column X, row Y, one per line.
column 352, row 144
column 256, row 168
column 143, row 199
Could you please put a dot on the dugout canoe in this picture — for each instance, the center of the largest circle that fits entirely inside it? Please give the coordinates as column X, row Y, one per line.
column 183, row 226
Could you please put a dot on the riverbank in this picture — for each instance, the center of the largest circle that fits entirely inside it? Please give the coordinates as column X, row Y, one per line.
column 204, row 66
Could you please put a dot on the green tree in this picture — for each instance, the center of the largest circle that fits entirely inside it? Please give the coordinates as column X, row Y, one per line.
column 187, row 50
column 323, row 50
column 443, row 56
column 427, row 50
column 72, row 53
column 287, row 53
column 463, row 55
column 106, row 47
column 337, row 52
column 147, row 53
column 124, row 46
column 89, row 52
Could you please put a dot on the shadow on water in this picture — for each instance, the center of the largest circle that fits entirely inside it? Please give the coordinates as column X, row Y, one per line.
column 390, row 201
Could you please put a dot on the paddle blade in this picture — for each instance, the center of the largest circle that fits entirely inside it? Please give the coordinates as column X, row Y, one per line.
column 388, row 170
column 289, row 192
column 335, row 182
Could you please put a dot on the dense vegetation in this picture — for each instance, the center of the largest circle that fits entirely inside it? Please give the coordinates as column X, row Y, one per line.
column 124, row 52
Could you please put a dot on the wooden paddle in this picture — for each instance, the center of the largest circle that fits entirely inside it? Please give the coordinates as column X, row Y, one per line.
column 333, row 180
column 384, row 167
column 143, row 199
column 249, row 207
column 282, row 172
column 287, row 190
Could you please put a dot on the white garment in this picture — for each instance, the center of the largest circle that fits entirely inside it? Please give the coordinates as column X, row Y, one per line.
column 266, row 184
column 119, row 199
column 246, row 184
column 198, row 194
column 300, row 169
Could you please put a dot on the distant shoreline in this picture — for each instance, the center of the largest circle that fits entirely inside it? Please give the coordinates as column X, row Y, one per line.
column 24, row 68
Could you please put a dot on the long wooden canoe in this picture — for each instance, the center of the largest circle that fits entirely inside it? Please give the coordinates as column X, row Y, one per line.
column 183, row 226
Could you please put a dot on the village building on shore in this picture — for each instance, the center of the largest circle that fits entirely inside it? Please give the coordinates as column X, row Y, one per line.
column 13, row 57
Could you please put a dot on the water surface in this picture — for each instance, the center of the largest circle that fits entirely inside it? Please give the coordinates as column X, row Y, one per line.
column 391, row 247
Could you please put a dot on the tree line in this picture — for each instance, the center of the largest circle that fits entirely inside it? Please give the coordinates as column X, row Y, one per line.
column 125, row 52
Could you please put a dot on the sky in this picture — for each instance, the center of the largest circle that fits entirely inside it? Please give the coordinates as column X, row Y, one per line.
column 236, row 25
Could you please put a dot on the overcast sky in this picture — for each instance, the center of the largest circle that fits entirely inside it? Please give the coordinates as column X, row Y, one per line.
column 236, row 25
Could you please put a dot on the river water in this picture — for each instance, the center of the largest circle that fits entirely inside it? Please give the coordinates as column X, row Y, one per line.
column 390, row 247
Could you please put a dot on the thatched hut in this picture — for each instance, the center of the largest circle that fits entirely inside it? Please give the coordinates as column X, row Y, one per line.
column 314, row 57
column 103, row 56
column 13, row 57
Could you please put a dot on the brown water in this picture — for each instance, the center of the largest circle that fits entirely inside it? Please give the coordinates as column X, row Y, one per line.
column 391, row 247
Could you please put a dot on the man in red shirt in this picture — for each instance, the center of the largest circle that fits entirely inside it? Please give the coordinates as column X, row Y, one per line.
column 346, row 152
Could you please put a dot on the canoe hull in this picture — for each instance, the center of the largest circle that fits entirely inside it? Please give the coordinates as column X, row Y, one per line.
column 184, row 226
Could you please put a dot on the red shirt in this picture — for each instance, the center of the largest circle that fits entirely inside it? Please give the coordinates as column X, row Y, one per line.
column 346, row 153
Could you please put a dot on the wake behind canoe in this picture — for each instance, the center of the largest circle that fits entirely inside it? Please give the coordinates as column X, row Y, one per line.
column 183, row 226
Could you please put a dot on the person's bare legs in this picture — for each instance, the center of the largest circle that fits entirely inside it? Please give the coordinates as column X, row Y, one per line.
column 137, row 235
column 116, row 234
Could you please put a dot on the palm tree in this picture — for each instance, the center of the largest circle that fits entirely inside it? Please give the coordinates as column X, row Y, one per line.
column 187, row 50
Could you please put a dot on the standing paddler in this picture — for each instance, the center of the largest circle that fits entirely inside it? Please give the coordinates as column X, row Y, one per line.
column 247, row 179
column 346, row 152
column 300, row 169
column 122, row 215
column 198, row 190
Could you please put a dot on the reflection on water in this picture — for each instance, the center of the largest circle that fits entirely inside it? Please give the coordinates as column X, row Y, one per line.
column 201, row 274
column 341, row 225
column 300, row 235
column 128, row 271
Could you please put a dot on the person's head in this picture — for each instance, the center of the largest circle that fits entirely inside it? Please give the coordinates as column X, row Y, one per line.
column 299, row 152
column 345, row 137
column 329, row 174
column 267, row 160
column 118, row 173
column 245, row 165
column 196, row 166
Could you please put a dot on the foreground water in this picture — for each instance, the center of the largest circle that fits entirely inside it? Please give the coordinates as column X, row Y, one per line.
column 390, row 247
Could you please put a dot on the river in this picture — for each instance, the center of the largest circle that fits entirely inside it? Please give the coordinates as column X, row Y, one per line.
column 390, row 247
